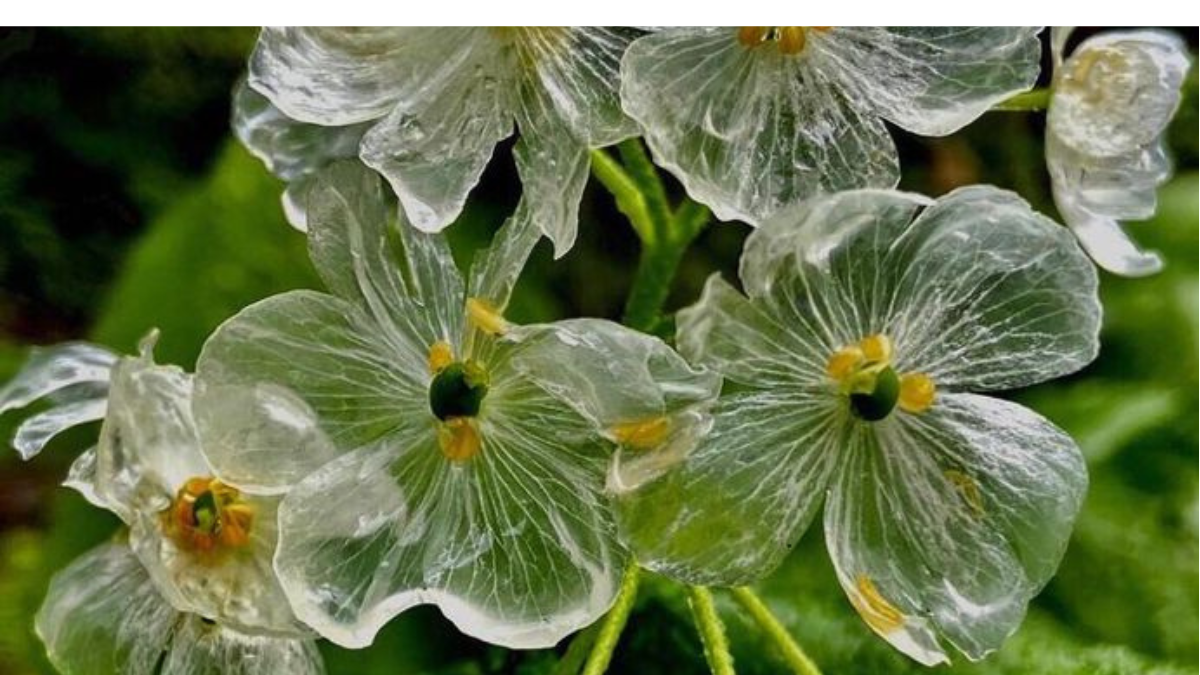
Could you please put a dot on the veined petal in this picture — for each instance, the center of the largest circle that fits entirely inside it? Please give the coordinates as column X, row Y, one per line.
column 495, row 270
column 747, row 130
column 950, row 522
column 74, row 376
column 578, row 68
column 731, row 510
column 102, row 615
column 433, row 149
column 553, row 165
column 515, row 545
column 929, row 80
column 990, row 294
column 301, row 356
column 406, row 279
column 205, row 649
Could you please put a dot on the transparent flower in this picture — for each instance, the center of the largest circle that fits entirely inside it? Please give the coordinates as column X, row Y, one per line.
column 472, row 451
column 438, row 101
column 1111, row 102
column 754, row 119
column 192, row 585
column 848, row 364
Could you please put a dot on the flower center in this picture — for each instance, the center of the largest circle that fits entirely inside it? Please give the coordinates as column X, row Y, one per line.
column 864, row 374
column 789, row 39
column 208, row 515
column 455, row 397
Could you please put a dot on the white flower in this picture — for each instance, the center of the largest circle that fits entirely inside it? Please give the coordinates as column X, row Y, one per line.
column 193, row 586
column 1111, row 102
column 438, row 100
column 751, row 120
column 472, row 453
column 848, row 364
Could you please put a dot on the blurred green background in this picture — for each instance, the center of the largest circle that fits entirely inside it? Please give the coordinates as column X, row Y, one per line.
column 125, row 205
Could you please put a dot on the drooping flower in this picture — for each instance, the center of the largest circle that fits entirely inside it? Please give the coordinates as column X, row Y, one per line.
column 190, row 585
column 1111, row 101
column 473, row 451
column 848, row 364
column 754, row 119
column 438, row 100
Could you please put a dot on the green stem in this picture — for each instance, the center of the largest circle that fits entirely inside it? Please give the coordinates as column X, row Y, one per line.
column 644, row 174
column 614, row 623
column 578, row 651
column 624, row 190
column 1032, row 100
column 712, row 631
column 792, row 654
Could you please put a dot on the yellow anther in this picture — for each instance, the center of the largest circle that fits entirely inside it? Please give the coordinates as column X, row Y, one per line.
column 844, row 363
column 441, row 354
column 644, row 434
column 485, row 317
column 208, row 517
column 917, row 392
column 881, row 615
column 968, row 488
column 791, row 39
column 459, row 439
column 876, row 348
column 753, row 36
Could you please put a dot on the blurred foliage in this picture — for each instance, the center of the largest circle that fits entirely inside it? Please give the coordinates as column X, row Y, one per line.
column 125, row 206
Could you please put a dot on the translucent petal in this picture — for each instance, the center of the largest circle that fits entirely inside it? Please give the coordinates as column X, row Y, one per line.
column 339, row 76
column 495, row 270
column 515, row 545
column 749, row 131
column 340, row 368
column 928, row 80
column 553, row 166
column 205, row 649
column 578, row 68
column 81, row 477
column 235, row 587
column 73, row 375
column 950, row 522
column 1117, row 92
column 102, row 615
column 433, row 148
column 295, row 202
column 742, row 498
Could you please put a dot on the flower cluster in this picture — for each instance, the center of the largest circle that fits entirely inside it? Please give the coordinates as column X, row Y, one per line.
column 339, row 457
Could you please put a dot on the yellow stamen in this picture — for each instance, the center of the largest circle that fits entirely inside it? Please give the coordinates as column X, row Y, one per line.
column 753, row 36
column 459, row 439
column 791, row 39
column 644, row 434
column 876, row 348
column 881, row 615
column 208, row 517
column 485, row 317
column 441, row 354
column 917, row 392
column 844, row 363
column 968, row 488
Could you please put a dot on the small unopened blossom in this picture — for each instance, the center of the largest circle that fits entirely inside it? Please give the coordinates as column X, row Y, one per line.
column 471, row 453
column 438, row 101
column 1112, row 99
column 189, row 588
column 754, row 119
column 867, row 320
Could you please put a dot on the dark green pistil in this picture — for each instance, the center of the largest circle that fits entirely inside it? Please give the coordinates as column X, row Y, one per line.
column 877, row 404
column 457, row 391
column 204, row 512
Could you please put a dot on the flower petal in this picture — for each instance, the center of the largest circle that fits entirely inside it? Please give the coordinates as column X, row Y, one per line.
column 495, row 270
column 929, row 80
column 297, row 357
column 749, row 131
column 740, row 500
column 102, row 615
column 553, row 166
column 434, row 148
column 951, row 521
column 200, row 648
column 74, row 376
column 515, row 545
column 81, row 477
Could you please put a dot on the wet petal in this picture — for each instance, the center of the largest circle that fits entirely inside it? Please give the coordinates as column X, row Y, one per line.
column 950, row 522
column 929, row 80
column 74, row 376
column 749, row 131
column 102, row 615
column 515, row 545
column 81, row 477
column 739, row 501
column 200, row 648
column 553, row 166
column 495, row 270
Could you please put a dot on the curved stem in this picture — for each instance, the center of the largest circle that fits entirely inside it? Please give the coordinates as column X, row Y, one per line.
column 624, row 190
column 792, row 654
column 1032, row 100
column 614, row 623
column 712, row 631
